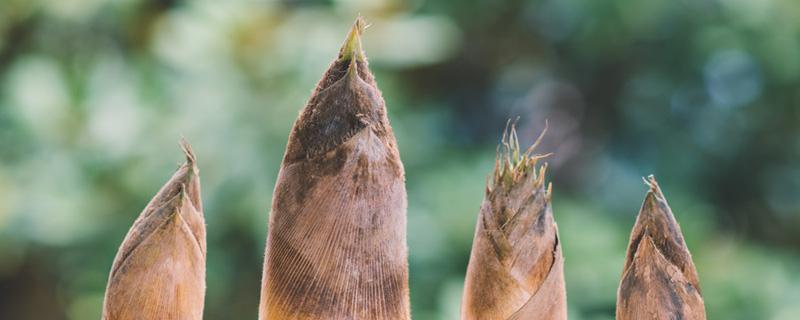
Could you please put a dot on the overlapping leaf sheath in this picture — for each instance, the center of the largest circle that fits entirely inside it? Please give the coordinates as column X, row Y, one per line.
column 336, row 247
column 516, row 268
column 659, row 280
column 159, row 270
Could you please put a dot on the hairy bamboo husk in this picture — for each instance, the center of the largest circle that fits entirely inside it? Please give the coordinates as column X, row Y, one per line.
column 336, row 247
column 659, row 280
column 159, row 270
column 515, row 268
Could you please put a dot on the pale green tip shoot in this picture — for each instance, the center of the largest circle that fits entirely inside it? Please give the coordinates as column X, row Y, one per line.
column 352, row 44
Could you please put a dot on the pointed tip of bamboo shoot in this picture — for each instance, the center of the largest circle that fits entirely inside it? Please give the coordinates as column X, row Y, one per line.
column 658, row 263
column 512, row 164
column 515, row 269
column 655, row 190
column 191, row 159
column 656, row 220
column 186, row 147
column 345, row 102
column 352, row 44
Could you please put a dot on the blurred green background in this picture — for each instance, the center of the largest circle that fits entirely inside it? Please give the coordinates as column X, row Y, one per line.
column 95, row 94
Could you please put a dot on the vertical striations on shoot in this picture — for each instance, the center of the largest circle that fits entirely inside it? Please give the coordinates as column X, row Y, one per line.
column 516, row 268
column 336, row 247
column 659, row 280
column 159, row 270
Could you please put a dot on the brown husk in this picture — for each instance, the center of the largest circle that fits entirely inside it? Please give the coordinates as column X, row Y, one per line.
column 659, row 280
column 336, row 247
column 159, row 270
column 516, row 267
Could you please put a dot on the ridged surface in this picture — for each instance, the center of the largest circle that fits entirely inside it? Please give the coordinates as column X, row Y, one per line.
column 659, row 280
column 159, row 270
column 336, row 247
column 516, row 268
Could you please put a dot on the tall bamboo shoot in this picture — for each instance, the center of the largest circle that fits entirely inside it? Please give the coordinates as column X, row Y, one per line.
column 336, row 247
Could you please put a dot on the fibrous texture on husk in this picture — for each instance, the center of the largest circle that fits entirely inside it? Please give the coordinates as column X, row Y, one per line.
column 516, row 267
column 336, row 247
column 659, row 280
column 159, row 270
